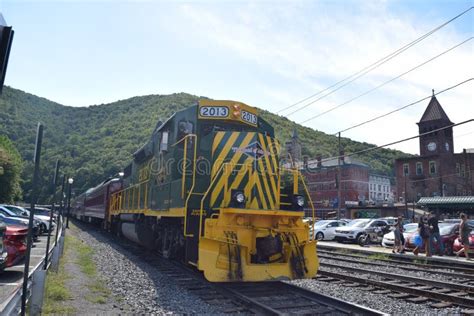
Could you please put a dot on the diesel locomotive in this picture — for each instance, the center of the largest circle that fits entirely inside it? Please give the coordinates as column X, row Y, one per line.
column 208, row 188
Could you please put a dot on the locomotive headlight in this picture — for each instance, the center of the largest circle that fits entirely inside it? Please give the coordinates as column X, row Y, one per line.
column 238, row 198
column 298, row 202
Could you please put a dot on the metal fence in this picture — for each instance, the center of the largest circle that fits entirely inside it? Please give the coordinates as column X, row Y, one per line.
column 36, row 278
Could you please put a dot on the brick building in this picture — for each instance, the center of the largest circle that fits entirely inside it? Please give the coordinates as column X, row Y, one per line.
column 321, row 180
column 438, row 171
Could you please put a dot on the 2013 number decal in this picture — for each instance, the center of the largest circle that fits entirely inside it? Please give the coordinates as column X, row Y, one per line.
column 249, row 117
column 214, row 111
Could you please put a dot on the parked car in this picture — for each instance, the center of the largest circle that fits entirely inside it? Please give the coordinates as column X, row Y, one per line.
column 449, row 233
column 44, row 220
column 3, row 250
column 42, row 211
column 457, row 245
column 12, row 215
column 408, row 229
column 353, row 230
column 326, row 229
column 14, row 241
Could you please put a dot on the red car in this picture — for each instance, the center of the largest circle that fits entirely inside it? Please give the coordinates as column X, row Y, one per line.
column 449, row 233
column 14, row 240
column 457, row 245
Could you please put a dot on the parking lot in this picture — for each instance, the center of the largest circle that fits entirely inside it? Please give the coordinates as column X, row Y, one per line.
column 12, row 278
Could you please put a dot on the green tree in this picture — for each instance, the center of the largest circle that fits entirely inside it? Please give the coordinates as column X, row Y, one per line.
column 10, row 170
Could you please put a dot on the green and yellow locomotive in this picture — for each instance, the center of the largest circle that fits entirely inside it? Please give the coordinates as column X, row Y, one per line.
column 208, row 189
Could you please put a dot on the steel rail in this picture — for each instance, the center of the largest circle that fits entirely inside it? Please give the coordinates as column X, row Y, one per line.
column 443, row 284
column 403, row 289
column 450, row 274
column 464, row 267
column 280, row 298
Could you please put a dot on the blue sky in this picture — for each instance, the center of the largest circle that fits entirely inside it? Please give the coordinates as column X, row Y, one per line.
column 268, row 54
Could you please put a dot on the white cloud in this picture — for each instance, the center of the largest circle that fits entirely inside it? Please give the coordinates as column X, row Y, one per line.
column 312, row 46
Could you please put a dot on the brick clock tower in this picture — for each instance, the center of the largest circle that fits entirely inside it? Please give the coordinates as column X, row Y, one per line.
column 438, row 170
column 438, row 142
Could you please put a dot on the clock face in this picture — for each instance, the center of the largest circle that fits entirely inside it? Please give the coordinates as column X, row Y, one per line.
column 446, row 145
column 431, row 146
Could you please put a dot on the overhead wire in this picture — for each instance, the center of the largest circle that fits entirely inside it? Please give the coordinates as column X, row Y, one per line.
column 397, row 142
column 404, row 107
column 376, row 64
column 382, row 84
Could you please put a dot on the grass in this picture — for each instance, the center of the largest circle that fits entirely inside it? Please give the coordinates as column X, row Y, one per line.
column 56, row 292
column 85, row 260
column 378, row 256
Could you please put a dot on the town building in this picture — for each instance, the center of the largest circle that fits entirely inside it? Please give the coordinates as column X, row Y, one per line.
column 380, row 188
column 321, row 178
column 438, row 171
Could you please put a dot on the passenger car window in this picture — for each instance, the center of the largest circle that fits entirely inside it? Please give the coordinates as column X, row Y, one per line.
column 334, row 224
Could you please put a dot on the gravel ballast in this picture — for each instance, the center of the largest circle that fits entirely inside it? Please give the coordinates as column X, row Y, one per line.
column 361, row 296
column 141, row 288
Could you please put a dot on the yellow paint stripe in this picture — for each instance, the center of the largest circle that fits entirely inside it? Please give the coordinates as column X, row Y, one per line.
column 263, row 178
column 225, row 151
column 272, row 175
column 260, row 191
column 217, row 140
column 235, row 159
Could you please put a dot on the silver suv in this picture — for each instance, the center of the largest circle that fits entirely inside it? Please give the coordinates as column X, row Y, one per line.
column 353, row 230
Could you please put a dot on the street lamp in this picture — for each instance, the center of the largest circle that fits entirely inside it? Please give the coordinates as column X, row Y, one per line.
column 70, row 181
column 121, row 174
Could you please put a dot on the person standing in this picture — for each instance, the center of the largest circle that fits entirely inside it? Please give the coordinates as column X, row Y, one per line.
column 397, row 239
column 464, row 231
column 434, row 234
column 423, row 231
column 402, row 238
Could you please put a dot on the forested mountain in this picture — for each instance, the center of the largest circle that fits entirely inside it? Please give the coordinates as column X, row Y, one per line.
column 97, row 141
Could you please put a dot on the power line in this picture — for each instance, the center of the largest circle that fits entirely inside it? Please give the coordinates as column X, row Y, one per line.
column 405, row 106
column 381, row 85
column 376, row 64
column 396, row 142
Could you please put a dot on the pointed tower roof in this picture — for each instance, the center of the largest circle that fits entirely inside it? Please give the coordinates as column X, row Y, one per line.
column 434, row 111
column 294, row 134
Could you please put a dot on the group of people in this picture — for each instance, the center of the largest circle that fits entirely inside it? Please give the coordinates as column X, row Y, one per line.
column 428, row 230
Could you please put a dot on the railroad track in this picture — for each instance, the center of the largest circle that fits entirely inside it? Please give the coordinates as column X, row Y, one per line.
column 267, row 298
column 399, row 259
column 413, row 289
column 468, row 277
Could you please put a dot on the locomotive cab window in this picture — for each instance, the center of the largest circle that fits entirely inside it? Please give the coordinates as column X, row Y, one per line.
column 184, row 128
column 164, row 141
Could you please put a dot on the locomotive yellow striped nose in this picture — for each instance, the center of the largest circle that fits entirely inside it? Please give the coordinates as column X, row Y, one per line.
column 251, row 161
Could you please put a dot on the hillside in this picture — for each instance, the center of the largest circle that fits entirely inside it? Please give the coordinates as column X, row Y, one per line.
column 97, row 141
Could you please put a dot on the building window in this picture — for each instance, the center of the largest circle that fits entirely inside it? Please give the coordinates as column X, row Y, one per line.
column 463, row 170
column 405, row 169
column 458, row 169
column 419, row 168
column 432, row 167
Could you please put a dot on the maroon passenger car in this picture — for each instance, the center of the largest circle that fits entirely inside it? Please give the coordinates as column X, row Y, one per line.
column 94, row 203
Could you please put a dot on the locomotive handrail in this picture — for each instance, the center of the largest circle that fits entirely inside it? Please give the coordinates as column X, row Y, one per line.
column 205, row 195
column 183, row 187
column 295, row 188
column 183, row 177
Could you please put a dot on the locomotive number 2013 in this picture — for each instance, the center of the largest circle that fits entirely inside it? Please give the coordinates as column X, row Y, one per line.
column 214, row 111
column 249, row 117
